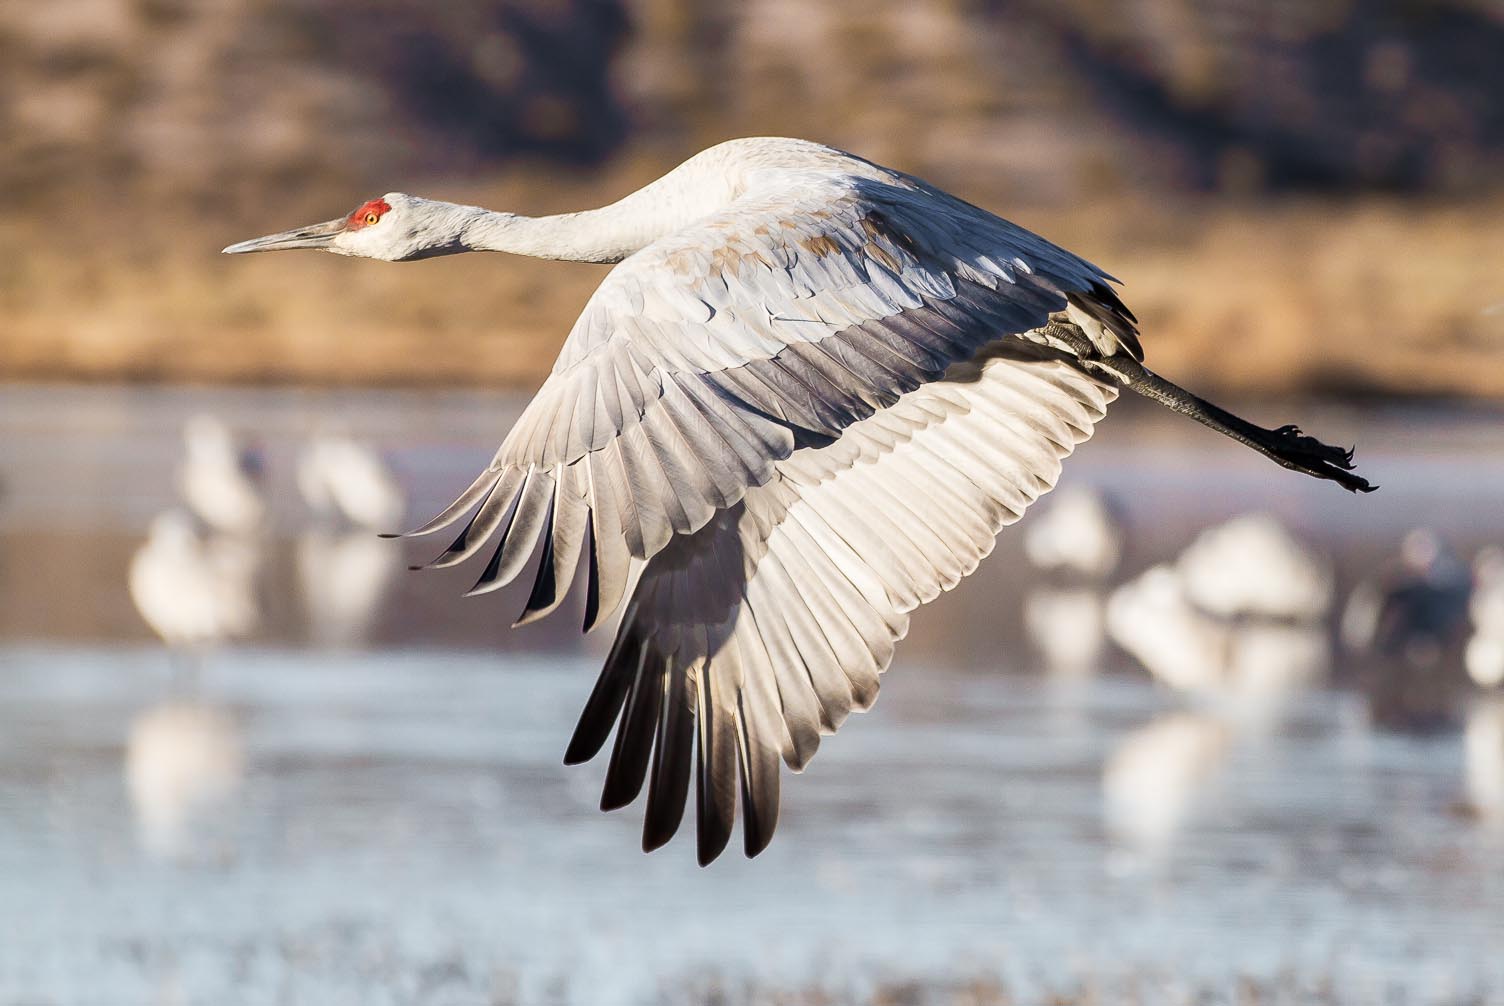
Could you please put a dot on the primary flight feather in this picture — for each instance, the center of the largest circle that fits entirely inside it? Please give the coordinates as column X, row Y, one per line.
column 804, row 402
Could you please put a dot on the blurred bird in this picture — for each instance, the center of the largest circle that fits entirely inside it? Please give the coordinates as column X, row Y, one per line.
column 1417, row 609
column 1253, row 566
column 344, row 576
column 194, row 591
column 1250, row 664
column 183, row 763
column 1484, row 656
column 1077, row 534
column 343, row 569
column 1407, row 626
column 1067, row 625
column 339, row 477
column 805, row 402
column 219, row 478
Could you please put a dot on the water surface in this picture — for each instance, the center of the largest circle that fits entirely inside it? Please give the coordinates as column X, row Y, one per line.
column 387, row 820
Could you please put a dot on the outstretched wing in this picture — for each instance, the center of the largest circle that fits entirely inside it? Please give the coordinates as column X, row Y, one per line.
column 752, row 637
column 712, row 355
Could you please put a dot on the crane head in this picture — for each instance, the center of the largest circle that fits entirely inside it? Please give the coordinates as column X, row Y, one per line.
column 393, row 227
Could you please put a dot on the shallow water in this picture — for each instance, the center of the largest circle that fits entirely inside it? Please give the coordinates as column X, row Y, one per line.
column 387, row 821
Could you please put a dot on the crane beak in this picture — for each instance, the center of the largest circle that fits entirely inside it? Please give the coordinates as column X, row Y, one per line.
column 315, row 236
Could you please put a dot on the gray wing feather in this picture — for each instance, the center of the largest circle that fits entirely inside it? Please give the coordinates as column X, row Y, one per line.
column 773, row 621
column 772, row 326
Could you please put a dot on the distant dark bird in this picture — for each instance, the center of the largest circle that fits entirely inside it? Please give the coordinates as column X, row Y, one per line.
column 803, row 403
column 1408, row 628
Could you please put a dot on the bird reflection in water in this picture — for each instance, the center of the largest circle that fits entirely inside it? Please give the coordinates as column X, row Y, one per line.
column 1484, row 656
column 1237, row 622
column 1483, row 751
column 184, row 764
column 1239, row 618
column 1154, row 779
column 344, row 569
column 194, row 582
column 1076, row 542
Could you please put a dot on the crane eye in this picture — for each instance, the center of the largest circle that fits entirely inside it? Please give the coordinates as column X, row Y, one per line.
column 372, row 217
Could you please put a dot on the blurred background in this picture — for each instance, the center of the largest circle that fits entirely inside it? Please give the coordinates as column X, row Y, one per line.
column 1200, row 730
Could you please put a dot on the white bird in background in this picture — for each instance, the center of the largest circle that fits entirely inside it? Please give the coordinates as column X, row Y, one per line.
column 340, row 477
column 1253, row 665
column 344, row 570
column 1076, row 535
column 1253, row 566
column 220, row 478
column 1484, row 656
column 195, row 591
column 1068, row 626
column 804, row 402
column 1078, row 540
column 183, row 764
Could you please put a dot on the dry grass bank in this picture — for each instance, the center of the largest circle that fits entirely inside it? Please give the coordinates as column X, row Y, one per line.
column 1376, row 295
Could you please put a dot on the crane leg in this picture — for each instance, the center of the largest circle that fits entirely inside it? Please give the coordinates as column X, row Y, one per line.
column 1285, row 446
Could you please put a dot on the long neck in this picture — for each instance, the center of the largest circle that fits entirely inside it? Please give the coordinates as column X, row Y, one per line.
column 588, row 236
column 608, row 234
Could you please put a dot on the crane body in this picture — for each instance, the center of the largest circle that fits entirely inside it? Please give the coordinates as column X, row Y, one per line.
column 804, row 402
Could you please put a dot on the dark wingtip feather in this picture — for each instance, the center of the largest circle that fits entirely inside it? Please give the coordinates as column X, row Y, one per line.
column 668, row 793
column 544, row 597
column 634, row 734
column 715, row 779
column 482, row 485
column 605, row 701
column 593, row 577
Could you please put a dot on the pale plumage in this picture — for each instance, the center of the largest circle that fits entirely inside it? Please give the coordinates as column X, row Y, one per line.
column 194, row 590
column 219, row 477
column 341, row 479
column 1252, row 662
column 1077, row 535
column 1484, row 656
column 803, row 403
column 1253, row 566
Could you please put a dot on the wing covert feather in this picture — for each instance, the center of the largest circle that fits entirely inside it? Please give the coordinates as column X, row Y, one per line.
column 770, row 326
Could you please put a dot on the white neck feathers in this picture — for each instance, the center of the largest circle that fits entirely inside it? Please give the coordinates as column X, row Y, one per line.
column 609, row 234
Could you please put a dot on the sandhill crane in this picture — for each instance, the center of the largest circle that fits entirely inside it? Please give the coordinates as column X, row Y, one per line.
column 194, row 590
column 1077, row 541
column 1408, row 625
column 1252, row 566
column 1077, row 536
column 1251, row 665
column 220, row 478
column 806, row 399
column 343, row 571
column 340, row 478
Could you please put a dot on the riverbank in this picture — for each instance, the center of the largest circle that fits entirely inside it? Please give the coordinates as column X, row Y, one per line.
column 1375, row 296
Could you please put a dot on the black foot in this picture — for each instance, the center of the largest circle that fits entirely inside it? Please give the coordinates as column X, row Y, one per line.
column 1293, row 449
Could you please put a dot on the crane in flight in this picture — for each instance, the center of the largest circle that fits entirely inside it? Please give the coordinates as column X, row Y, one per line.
column 804, row 402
